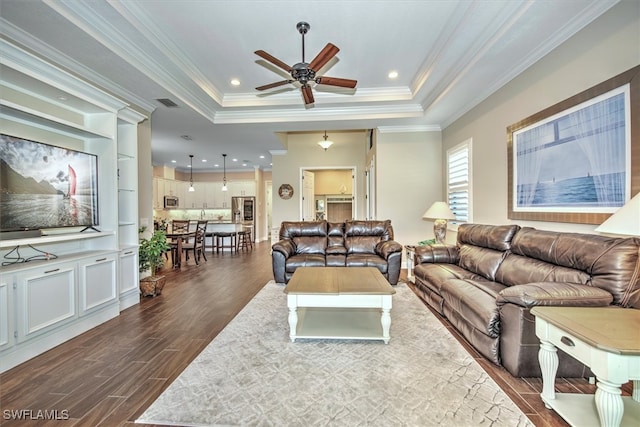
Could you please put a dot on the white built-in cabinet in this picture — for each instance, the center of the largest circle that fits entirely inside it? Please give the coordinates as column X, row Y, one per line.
column 76, row 280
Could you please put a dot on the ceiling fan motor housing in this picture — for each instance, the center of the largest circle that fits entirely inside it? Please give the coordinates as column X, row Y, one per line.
column 302, row 73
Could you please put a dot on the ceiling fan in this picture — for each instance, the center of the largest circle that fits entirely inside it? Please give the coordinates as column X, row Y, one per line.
column 305, row 73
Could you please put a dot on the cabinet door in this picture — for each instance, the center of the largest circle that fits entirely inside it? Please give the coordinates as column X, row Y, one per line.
column 6, row 312
column 98, row 282
column 46, row 299
column 128, row 271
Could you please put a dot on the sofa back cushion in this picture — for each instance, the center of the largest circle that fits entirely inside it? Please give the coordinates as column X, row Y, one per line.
column 309, row 237
column 483, row 247
column 336, row 234
column 361, row 237
column 609, row 263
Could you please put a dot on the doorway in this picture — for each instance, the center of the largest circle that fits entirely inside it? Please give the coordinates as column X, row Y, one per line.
column 328, row 193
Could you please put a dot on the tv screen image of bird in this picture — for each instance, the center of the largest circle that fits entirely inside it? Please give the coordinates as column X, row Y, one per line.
column 43, row 186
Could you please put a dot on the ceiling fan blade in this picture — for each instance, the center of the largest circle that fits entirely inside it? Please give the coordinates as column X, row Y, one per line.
column 272, row 85
column 335, row 81
column 273, row 60
column 307, row 94
column 325, row 55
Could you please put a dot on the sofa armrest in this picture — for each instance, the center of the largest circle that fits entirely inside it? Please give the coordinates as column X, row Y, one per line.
column 388, row 247
column 554, row 294
column 438, row 253
column 285, row 247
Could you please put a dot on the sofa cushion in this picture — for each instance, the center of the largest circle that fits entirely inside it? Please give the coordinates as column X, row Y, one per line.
column 497, row 237
column 304, row 260
column 435, row 275
column 367, row 260
column 475, row 301
column 555, row 294
column 335, row 233
column 361, row 237
column 611, row 263
column 517, row 270
column 479, row 260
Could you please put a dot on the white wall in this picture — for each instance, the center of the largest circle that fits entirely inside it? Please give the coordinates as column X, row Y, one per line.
column 607, row 47
column 409, row 179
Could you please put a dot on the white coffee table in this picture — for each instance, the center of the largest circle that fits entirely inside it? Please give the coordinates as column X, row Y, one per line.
column 339, row 303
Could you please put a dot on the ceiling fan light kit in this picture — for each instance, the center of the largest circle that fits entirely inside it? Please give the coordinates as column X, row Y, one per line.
column 305, row 73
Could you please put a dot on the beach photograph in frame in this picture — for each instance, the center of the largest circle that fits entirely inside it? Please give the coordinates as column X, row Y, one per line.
column 577, row 161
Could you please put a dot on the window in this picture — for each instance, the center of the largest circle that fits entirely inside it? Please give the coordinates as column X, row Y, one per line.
column 459, row 182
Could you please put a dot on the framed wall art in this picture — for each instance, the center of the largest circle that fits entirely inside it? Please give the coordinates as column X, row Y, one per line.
column 579, row 160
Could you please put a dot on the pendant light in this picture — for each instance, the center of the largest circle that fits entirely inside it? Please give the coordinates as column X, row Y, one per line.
column 325, row 144
column 224, row 176
column 191, row 174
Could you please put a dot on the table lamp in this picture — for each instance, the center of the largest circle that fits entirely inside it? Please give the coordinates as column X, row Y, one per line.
column 440, row 213
column 625, row 221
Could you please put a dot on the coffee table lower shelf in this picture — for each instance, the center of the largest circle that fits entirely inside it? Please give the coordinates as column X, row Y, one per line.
column 580, row 409
column 339, row 323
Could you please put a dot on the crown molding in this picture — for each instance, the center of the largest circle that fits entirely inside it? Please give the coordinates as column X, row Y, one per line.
column 292, row 97
column 31, row 65
column 136, row 16
column 278, row 152
column 319, row 114
column 410, row 128
column 54, row 56
column 88, row 20
column 129, row 115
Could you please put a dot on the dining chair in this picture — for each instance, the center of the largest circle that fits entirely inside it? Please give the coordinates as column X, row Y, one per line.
column 197, row 245
column 178, row 226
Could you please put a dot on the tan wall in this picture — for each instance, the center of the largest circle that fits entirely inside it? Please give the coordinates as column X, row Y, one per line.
column 349, row 150
column 607, row 47
column 409, row 180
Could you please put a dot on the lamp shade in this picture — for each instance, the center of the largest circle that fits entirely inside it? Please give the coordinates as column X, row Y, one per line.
column 439, row 210
column 625, row 221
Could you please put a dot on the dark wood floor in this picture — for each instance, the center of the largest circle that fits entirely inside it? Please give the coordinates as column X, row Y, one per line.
column 111, row 374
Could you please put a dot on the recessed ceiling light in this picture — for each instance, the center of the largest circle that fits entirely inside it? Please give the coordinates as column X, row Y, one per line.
column 173, row 161
column 393, row 74
column 235, row 82
column 244, row 164
column 235, row 160
column 216, row 165
column 262, row 156
column 204, row 160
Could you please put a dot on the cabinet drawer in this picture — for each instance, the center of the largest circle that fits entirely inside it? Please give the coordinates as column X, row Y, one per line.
column 569, row 344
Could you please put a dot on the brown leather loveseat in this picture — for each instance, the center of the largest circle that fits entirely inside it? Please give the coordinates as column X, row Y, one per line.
column 486, row 284
column 333, row 244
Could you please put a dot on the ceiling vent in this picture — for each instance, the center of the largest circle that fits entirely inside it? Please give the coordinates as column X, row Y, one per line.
column 167, row 102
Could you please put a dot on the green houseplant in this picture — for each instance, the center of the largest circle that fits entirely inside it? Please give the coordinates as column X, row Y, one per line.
column 150, row 255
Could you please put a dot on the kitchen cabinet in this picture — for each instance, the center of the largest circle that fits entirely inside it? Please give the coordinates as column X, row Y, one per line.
column 242, row 188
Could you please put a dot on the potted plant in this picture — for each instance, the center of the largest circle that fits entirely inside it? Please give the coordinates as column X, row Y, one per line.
column 150, row 259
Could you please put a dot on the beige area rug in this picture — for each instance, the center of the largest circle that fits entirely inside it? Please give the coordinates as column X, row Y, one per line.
column 252, row 375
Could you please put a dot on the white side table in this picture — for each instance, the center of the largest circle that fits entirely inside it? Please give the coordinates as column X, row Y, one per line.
column 607, row 339
column 411, row 251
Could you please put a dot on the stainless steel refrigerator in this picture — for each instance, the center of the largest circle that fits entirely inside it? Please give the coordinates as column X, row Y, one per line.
column 243, row 210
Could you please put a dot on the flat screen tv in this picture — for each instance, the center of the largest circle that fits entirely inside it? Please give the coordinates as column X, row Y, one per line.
column 43, row 186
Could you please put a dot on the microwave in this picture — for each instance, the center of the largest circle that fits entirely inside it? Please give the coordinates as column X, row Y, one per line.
column 170, row 202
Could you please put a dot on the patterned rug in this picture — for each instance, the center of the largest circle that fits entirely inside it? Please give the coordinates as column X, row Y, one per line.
column 252, row 375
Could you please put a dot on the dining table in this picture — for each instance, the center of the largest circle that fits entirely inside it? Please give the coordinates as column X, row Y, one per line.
column 178, row 237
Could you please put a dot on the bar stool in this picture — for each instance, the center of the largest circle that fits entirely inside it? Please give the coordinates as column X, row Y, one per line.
column 244, row 239
column 220, row 236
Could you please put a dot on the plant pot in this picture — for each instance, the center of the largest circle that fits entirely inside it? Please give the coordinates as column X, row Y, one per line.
column 152, row 285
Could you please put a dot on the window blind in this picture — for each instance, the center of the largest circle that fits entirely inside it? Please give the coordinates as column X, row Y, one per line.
column 458, row 181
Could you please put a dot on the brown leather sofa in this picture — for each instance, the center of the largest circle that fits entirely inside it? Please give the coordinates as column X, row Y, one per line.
column 486, row 284
column 344, row 244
